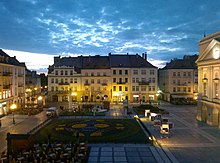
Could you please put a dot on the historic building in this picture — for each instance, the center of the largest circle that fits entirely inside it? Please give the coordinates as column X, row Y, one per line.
column 208, row 79
column 178, row 80
column 115, row 77
column 12, row 83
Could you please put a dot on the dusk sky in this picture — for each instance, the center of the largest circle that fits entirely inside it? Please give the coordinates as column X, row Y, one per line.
column 37, row 30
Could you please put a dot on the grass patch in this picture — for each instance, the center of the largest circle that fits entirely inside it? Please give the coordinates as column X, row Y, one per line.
column 93, row 131
column 153, row 109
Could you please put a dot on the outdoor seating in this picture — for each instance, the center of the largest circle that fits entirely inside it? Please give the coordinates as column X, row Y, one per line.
column 50, row 153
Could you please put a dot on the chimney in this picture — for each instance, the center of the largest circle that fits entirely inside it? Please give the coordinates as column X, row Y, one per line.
column 56, row 59
column 145, row 56
column 142, row 55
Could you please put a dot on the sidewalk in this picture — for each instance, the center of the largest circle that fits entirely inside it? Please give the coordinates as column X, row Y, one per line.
column 23, row 124
column 190, row 140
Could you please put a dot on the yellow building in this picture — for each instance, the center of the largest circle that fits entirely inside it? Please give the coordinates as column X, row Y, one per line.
column 178, row 80
column 12, row 83
column 102, row 78
column 208, row 79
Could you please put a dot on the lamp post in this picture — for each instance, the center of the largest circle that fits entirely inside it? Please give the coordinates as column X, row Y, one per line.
column 13, row 107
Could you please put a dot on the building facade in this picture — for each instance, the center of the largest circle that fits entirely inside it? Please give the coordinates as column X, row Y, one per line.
column 114, row 78
column 178, row 80
column 208, row 79
column 12, row 83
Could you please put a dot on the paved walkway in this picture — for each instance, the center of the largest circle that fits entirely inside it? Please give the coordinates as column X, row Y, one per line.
column 190, row 140
column 23, row 124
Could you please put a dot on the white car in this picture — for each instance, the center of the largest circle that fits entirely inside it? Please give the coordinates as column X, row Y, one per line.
column 51, row 111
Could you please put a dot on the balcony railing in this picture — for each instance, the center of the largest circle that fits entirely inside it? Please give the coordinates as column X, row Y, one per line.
column 121, row 82
column 143, row 83
column 86, row 84
column 6, row 73
column 104, row 84
column 7, row 86
column 63, row 83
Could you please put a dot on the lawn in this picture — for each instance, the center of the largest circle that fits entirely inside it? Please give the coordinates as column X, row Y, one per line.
column 92, row 131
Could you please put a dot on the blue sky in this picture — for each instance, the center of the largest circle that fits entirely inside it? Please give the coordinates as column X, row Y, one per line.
column 165, row 29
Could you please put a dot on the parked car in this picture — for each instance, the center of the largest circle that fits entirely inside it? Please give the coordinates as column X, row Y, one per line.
column 51, row 111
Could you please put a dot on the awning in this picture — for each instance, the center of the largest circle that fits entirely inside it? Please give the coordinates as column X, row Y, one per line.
column 182, row 96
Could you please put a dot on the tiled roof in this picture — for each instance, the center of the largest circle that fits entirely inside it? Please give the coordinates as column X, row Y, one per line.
column 188, row 62
column 6, row 59
column 103, row 62
column 135, row 61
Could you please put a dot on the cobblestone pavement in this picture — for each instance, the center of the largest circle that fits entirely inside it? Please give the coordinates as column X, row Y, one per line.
column 189, row 140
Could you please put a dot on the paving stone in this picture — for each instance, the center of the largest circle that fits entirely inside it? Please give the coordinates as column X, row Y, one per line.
column 119, row 153
column 140, row 149
column 94, row 154
column 106, row 159
column 133, row 159
column 106, row 153
column 146, row 154
column 106, row 149
column 119, row 149
column 148, row 159
column 130, row 149
column 94, row 149
column 132, row 154
column 120, row 159
column 93, row 159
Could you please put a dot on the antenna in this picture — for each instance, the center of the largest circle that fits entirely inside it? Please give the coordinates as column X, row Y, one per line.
column 204, row 34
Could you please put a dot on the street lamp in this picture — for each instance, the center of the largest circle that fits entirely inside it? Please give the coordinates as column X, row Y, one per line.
column 13, row 107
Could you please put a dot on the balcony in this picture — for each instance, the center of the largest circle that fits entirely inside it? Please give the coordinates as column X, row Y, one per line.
column 7, row 86
column 104, row 84
column 143, row 83
column 6, row 73
column 63, row 83
column 86, row 84
column 121, row 82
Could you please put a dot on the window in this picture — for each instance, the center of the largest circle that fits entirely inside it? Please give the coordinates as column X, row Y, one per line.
column 86, row 81
column 114, row 88
column 92, row 81
column 153, row 88
column 143, row 72
column 216, row 90
column 153, row 80
column 174, row 89
column 178, row 89
column 92, row 73
column 56, row 81
column 133, row 88
column 143, row 79
column 71, row 72
column 174, row 81
column 178, row 74
column 120, row 80
column 184, row 74
column 184, row 89
column 114, row 80
column 126, row 80
column 98, row 73
column 61, row 72
column 66, row 72
column 151, row 72
column 126, row 72
column 56, row 72
column 52, row 80
column 120, row 88
column 149, row 88
column 174, row 74
column 61, row 80
column 189, row 89
column 126, row 88
column 143, row 88
column 137, row 80
column 104, row 73
column 135, row 72
column 52, row 89
column 133, row 80
column 98, row 81
column 66, row 80
column 120, row 72
column 114, row 72
column 189, row 74
column 137, row 88
column 75, row 80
